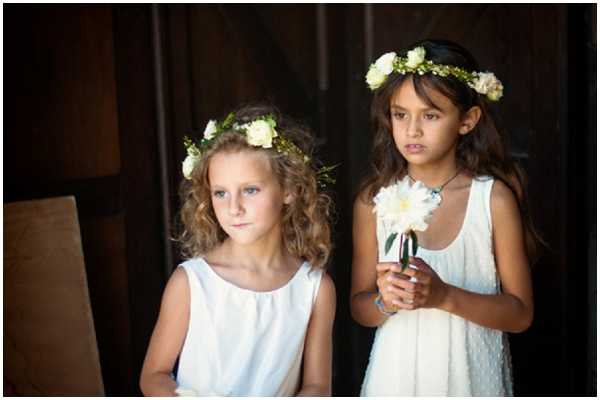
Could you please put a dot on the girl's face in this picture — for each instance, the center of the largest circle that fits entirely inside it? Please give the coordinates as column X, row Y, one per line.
column 423, row 134
column 246, row 196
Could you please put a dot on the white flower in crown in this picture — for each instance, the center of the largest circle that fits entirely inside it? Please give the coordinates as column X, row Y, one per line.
column 187, row 166
column 404, row 208
column 487, row 83
column 415, row 57
column 210, row 130
column 385, row 63
column 375, row 77
column 260, row 133
column 379, row 71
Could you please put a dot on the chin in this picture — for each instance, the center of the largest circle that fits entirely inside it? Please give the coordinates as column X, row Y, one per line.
column 242, row 239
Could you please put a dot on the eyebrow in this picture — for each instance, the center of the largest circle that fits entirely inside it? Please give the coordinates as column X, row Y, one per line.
column 395, row 106
column 249, row 183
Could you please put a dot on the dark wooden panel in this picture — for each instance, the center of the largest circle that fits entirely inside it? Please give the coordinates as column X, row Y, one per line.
column 547, row 172
column 581, row 291
column 106, row 265
column 61, row 129
column 140, row 177
column 94, row 196
column 292, row 29
column 60, row 122
column 333, row 103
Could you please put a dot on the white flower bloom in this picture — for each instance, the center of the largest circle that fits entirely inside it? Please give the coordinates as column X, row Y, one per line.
column 403, row 207
column 210, row 130
column 188, row 166
column 385, row 63
column 487, row 83
column 260, row 133
column 415, row 57
column 375, row 77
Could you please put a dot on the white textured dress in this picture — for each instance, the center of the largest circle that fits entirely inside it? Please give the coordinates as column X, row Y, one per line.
column 242, row 342
column 429, row 352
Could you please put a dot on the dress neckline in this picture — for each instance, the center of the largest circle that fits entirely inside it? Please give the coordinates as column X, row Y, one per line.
column 256, row 292
column 462, row 228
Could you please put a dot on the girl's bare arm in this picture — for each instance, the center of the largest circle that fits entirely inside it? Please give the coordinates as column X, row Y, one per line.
column 167, row 339
column 316, row 374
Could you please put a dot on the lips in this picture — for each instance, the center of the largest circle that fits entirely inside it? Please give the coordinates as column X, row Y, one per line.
column 414, row 148
column 240, row 226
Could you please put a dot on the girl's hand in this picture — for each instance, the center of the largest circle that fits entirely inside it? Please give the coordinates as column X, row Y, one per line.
column 395, row 287
column 431, row 291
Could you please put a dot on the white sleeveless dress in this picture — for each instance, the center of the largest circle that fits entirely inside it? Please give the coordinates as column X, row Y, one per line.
column 429, row 352
column 241, row 342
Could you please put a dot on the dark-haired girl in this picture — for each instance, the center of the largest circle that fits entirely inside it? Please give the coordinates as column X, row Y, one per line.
column 442, row 322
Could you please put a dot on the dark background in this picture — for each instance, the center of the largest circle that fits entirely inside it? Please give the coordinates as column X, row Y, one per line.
column 97, row 99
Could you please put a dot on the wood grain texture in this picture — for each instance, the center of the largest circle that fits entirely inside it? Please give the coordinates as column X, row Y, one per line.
column 49, row 337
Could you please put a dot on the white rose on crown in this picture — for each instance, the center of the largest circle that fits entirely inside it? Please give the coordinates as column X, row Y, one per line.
column 415, row 57
column 210, row 130
column 385, row 63
column 487, row 83
column 375, row 77
column 260, row 133
column 188, row 165
column 379, row 71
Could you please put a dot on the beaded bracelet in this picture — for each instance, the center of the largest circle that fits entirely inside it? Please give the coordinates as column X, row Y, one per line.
column 381, row 307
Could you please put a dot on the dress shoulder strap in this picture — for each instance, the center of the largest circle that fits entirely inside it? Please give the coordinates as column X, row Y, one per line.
column 480, row 202
column 310, row 278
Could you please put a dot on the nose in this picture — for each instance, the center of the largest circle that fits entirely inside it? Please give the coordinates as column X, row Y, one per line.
column 413, row 129
column 235, row 206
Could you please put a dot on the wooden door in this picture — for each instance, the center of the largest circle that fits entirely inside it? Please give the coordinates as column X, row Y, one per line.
column 98, row 98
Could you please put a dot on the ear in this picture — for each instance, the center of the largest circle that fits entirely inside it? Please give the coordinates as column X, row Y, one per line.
column 288, row 197
column 469, row 120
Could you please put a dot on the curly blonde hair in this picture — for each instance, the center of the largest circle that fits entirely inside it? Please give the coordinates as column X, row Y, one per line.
column 306, row 233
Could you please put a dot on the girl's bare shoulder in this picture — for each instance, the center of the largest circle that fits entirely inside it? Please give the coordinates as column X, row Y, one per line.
column 503, row 202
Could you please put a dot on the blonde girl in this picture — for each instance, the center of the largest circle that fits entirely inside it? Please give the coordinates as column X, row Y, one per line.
column 250, row 312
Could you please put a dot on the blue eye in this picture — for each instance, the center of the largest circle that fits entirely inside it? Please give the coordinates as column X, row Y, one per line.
column 219, row 194
column 251, row 190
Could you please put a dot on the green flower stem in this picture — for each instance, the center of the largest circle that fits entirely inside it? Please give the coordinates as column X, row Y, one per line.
column 404, row 247
column 404, row 258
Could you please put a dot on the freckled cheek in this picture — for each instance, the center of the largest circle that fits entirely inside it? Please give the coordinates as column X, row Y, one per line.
column 220, row 209
column 271, row 207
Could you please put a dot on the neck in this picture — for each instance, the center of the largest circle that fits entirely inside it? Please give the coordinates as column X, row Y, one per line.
column 255, row 256
column 433, row 176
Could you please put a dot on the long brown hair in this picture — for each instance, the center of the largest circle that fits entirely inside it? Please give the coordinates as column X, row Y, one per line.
column 481, row 152
column 305, row 221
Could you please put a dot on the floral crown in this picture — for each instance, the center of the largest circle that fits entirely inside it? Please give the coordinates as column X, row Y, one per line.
column 259, row 132
column 482, row 82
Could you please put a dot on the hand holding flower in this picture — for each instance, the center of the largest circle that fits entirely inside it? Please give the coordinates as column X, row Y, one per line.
column 395, row 286
column 430, row 290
